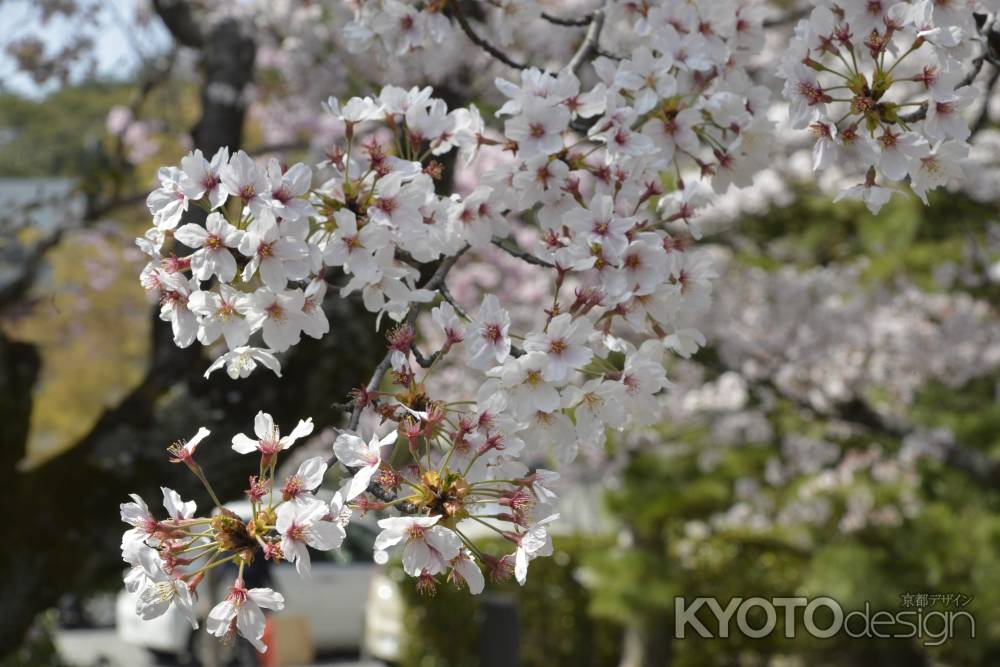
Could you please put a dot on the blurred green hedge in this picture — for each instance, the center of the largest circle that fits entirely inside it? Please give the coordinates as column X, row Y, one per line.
column 557, row 628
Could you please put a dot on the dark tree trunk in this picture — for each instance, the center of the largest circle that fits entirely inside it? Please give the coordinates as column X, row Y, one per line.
column 648, row 638
column 648, row 643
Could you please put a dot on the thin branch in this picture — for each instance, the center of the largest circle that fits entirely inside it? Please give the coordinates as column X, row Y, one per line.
column 100, row 210
column 433, row 283
column 446, row 294
column 425, row 362
column 570, row 23
column 373, row 383
column 482, row 43
column 522, row 255
column 31, row 266
column 590, row 42
column 983, row 117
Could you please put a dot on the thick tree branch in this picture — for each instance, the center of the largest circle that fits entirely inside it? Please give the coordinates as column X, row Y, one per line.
column 590, row 42
column 123, row 449
column 178, row 16
column 13, row 291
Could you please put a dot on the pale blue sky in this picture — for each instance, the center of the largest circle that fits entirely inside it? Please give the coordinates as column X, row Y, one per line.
column 118, row 36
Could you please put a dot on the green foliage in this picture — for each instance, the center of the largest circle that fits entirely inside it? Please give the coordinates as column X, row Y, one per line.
column 89, row 287
column 556, row 626
column 971, row 413
column 59, row 134
column 951, row 546
column 91, row 290
column 38, row 648
column 906, row 239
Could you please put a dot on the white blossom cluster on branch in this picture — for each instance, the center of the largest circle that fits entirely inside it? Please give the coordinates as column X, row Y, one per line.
column 609, row 174
column 885, row 85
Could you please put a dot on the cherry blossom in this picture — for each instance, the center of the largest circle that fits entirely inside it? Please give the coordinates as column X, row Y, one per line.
column 183, row 451
column 244, row 179
column 278, row 315
column 161, row 591
column 534, row 542
column 301, row 525
column 564, row 344
column 429, row 547
column 221, row 314
column 242, row 361
column 307, row 478
column 487, row 338
column 202, row 178
column 240, row 611
column 213, row 241
column 270, row 254
column 269, row 439
column 353, row 452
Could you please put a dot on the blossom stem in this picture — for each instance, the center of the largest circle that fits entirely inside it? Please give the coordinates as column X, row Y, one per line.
column 468, row 543
column 208, row 487
column 193, row 547
column 212, row 563
column 488, row 525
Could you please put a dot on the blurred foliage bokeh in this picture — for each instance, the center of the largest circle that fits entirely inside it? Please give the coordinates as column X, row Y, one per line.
column 89, row 287
column 557, row 627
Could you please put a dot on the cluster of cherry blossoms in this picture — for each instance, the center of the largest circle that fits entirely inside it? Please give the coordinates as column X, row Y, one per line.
column 608, row 175
column 585, row 168
column 169, row 557
column 887, row 86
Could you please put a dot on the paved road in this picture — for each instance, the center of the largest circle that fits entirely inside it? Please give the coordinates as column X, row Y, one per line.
column 102, row 648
